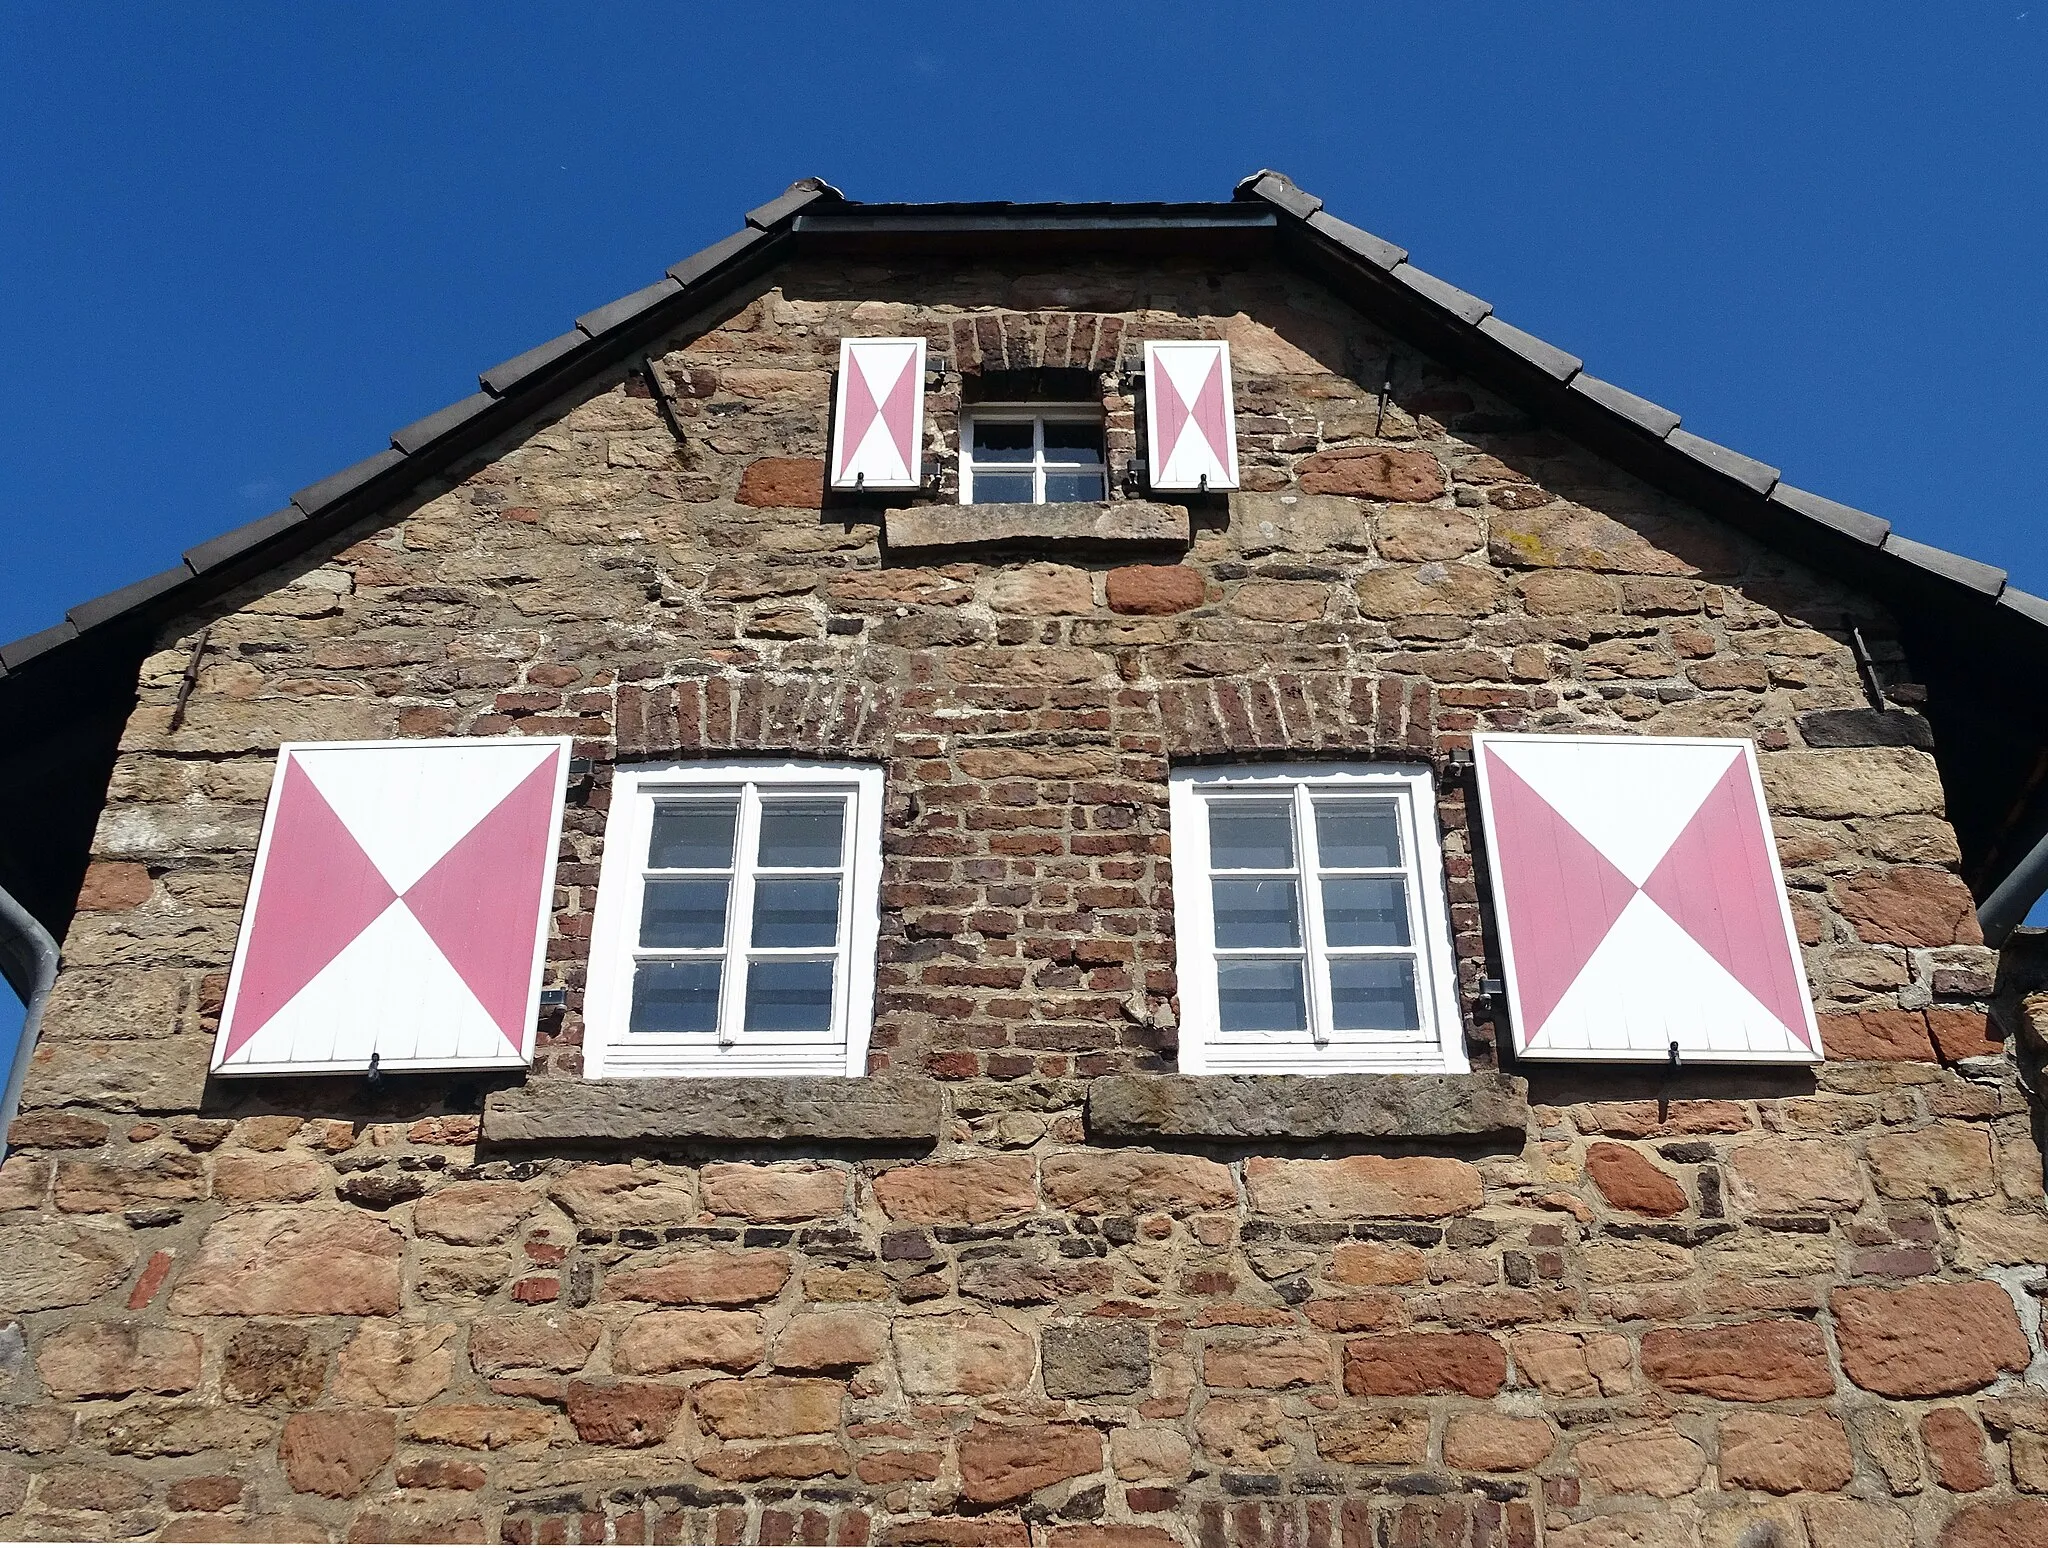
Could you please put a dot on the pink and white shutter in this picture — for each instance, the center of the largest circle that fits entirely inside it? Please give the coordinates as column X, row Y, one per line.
column 1639, row 901
column 399, row 907
column 878, row 417
column 1190, row 414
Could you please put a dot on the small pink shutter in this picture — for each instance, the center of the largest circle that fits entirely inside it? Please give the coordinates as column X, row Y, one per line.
column 399, row 906
column 1637, row 893
column 878, row 414
column 1190, row 414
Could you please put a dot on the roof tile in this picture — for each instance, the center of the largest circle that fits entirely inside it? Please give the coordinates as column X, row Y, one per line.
column 1280, row 189
column 18, row 652
column 217, row 551
column 1377, row 251
column 622, row 311
column 1746, row 471
column 699, row 264
column 1653, row 417
column 1544, row 356
column 1846, row 519
column 502, row 378
column 1987, row 578
column 134, row 594
column 804, row 191
column 423, row 432
column 336, row 487
column 2026, row 604
column 1468, row 308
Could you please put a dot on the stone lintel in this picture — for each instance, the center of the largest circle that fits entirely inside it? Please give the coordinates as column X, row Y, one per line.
column 1307, row 1107
column 889, row 1109
column 1112, row 523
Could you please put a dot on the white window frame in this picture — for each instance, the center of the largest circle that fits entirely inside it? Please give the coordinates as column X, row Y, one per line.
column 1034, row 414
column 1438, row 1046
column 610, row 1048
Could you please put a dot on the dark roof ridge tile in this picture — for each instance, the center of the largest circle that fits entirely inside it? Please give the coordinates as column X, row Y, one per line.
column 1964, row 571
column 112, row 604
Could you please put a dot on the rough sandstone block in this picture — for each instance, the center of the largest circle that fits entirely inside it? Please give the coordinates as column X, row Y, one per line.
column 1657, row 1462
column 1497, row 1443
column 969, row 1192
column 1741, row 1362
column 769, row 1407
column 293, row 1263
column 336, row 1452
column 1424, row 1364
column 656, row 1343
column 1928, row 1340
column 629, row 1414
column 1629, row 1180
column 1372, row 473
column 110, row 1360
column 794, row 482
column 779, row 1192
column 714, row 1276
column 1399, row 1187
column 1097, row 1358
column 1784, row 1453
column 1154, row 590
column 545, row 1341
column 1009, row 1462
column 962, row 1354
column 1110, row 1182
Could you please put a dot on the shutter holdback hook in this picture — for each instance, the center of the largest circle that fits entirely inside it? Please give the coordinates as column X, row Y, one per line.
column 375, row 1076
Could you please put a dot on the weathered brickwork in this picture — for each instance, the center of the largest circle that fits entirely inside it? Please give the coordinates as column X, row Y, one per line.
column 1716, row 1309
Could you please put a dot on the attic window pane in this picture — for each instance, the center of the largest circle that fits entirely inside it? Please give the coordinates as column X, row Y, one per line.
column 1068, row 441
column 1002, row 440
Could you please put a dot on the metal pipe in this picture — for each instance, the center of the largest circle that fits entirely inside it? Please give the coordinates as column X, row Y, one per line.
column 28, row 961
column 2003, row 912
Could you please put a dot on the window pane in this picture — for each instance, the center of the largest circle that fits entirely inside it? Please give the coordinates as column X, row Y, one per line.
column 684, row 913
column 789, row 997
column 1373, row 994
column 796, row 913
column 1358, row 834
column 1256, row 913
column 1002, row 488
column 1061, row 488
column 1261, row 997
column 1251, row 836
column 1002, row 440
column 1365, row 910
column 692, row 835
column 801, row 833
column 676, row 996
column 1073, row 442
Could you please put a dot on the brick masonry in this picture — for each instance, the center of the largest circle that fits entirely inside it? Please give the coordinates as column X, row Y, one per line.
column 1735, row 1309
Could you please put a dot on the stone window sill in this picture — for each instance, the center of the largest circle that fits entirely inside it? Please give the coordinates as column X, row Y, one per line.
column 870, row 1110
column 1308, row 1107
column 1104, row 524
column 902, row 1110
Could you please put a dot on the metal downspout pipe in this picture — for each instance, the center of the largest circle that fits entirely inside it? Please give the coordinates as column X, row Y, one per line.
column 28, row 961
column 2001, row 913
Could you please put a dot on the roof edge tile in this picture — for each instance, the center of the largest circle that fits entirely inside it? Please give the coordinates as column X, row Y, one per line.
column 804, row 191
column 502, row 378
column 336, row 487
column 424, row 432
column 1640, row 412
column 1729, row 463
column 1377, row 251
column 17, row 653
column 1277, row 188
column 695, row 267
column 616, row 314
column 1540, row 353
column 1964, row 571
column 112, row 604
column 217, row 551
column 1465, row 306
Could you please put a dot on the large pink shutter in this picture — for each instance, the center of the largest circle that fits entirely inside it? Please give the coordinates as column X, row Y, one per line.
column 1190, row 414
column 878, row 415
column 399, row 907
column 1637, row 892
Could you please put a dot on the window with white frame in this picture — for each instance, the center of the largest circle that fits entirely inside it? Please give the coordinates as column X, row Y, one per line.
column 1035, row 454
column 1312, row 927
column 736, row 921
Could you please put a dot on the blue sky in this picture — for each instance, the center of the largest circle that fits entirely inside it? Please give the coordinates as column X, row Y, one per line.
column 241, row 244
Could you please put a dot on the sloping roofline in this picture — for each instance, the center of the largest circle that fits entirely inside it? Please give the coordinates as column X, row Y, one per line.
column 1972, row 617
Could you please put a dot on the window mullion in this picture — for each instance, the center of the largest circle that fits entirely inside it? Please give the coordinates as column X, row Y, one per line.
column 1425, row 999
column 1309, row 854
column 732, row 991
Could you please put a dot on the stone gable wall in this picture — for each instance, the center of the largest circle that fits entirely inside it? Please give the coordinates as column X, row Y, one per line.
column 1722, row 1308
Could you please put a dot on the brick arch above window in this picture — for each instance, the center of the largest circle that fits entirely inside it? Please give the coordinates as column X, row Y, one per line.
column 978, row 342
column 1363, row 715
column 802, row 716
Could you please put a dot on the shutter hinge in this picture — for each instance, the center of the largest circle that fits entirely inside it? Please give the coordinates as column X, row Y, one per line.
column 554, row 999
column 1459, row 762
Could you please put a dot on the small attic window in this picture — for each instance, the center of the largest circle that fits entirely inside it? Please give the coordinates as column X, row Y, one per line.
column 1032, row 454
